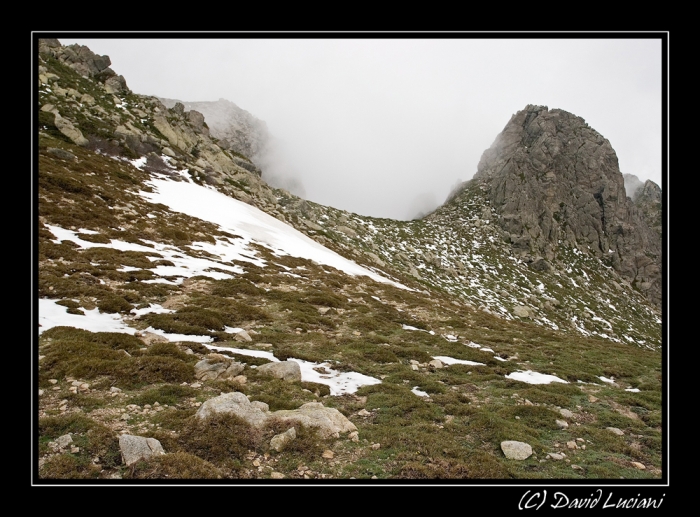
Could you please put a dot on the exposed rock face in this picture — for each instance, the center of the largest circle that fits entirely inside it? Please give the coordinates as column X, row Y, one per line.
column 647, row 199
column 235, row 128
column 84, row 61
column 550, row 177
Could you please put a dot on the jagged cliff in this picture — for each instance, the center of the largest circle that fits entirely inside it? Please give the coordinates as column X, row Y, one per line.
column 553, row 179
column 235, row 128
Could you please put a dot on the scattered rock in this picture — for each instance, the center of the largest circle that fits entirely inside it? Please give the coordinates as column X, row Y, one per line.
column 236, row 403
column 136, row 448
column 215, row 368
column 615, row 430
column 347, row 231
column 67, row 128
column 63, row 441
column 515, row 450
column 523, row 311
column 562, row 424
column 286, row 370
column 280, row 441
column 328, row 421
column 62, row 154
column 242, row 335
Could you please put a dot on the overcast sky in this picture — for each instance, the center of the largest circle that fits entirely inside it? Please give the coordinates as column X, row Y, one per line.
column 386, row 127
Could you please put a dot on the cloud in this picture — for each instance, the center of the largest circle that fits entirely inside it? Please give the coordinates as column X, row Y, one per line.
column 370, row 125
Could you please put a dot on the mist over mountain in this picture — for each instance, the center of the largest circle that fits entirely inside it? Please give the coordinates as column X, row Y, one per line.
column 199, row 320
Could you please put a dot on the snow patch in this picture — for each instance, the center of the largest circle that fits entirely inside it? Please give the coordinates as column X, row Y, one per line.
column 531, row 377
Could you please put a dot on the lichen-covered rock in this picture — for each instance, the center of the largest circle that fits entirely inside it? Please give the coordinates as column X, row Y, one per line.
column 286, row 370
column 68, row 129
column 136, row 448
column 328, row 421
column 515, row 450
column 280, row 441
column 210, row 369
column 234, row 403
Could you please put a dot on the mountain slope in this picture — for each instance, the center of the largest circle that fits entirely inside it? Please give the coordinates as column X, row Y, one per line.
column 445, row 324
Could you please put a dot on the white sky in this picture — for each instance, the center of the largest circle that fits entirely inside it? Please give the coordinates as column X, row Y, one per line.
column 386, row 126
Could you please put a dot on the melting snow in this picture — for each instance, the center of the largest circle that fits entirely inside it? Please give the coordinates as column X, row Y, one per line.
column 53, row 315
column 252, row 224
column 158, row 309
column 180, row 337
column 409, row 327
column 184, row 267
column 531, row 377
column 418, row 392
column 451, row 360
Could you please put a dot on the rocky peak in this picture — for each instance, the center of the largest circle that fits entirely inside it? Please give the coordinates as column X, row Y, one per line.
column 647, row 200
column 650, row 191
column 234, row 127
column 84, row 61
column 553, row 180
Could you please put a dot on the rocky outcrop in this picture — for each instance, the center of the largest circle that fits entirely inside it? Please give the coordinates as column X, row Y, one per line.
column 141, row 125
column 648, row 200
column 553, row 179
column 84, row 61
column 328, row 421
column 235, row 128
